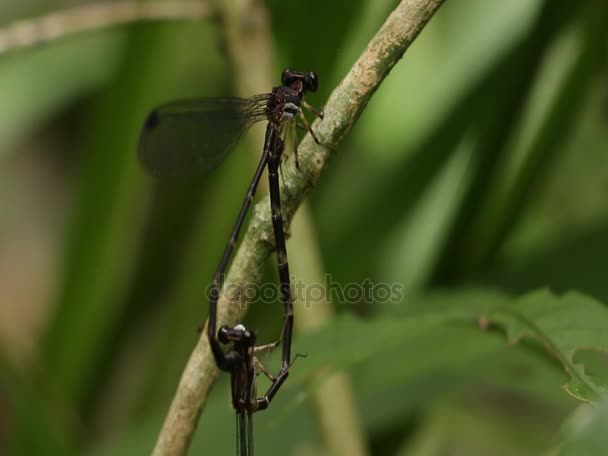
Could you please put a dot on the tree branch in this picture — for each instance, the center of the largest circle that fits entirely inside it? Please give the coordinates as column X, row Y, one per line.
column 84, row 18
column 342, row 110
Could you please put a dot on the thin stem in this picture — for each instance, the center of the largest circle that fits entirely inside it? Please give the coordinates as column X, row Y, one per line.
column 246, row 32
column 342, row 110
column 58, row 24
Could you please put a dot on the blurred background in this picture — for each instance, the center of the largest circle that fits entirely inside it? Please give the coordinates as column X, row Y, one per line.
column 478, row 172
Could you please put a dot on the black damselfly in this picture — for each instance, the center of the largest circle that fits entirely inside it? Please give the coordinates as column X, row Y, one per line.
column 193, row 136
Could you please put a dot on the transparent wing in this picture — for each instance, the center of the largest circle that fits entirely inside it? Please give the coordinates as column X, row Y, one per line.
column 194, row 136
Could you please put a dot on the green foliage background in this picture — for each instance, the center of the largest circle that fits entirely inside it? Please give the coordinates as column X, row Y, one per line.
column 477, row 178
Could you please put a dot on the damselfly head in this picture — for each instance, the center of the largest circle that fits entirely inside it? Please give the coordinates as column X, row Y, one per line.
column 308, row 82
column 245, row 337
column 223, row 334
column 239, row 335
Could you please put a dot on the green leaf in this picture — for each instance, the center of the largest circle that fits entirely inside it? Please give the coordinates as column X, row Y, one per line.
column 399, row 364
column 40, row 421
column 475, row 429
column 105, row 235
column 585, row 431
column 563, row 82
column 71, row 67
column 563, row 325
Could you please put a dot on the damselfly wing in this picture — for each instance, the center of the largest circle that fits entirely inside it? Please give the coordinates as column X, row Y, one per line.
column 189, row 137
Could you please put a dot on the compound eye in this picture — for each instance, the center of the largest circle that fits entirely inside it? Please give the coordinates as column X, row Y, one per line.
column 222, row 335
column 311, row 82
column 286, row 76
column 249, row 336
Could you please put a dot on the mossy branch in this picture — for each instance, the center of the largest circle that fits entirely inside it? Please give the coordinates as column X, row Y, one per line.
column 342, row 110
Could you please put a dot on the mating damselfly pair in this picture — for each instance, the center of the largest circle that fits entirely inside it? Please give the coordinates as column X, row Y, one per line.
column 193, row 136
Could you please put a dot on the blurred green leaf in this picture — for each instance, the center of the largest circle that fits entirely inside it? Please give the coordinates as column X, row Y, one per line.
column 41, row 423
column 563, row 83
column 480, row 106
column 412, row 256
column 575, row 262
column 102, row 249
column 563, row 325
column 71, row 68
column 585, row 431
column 398, row 365
column 507, row 89
column 474, row 430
